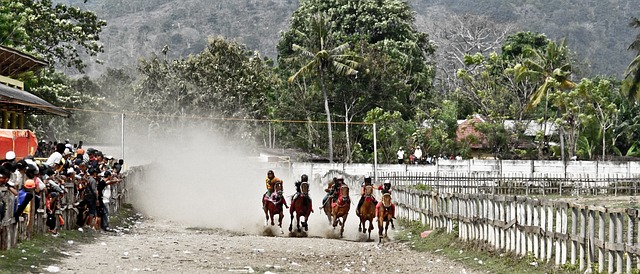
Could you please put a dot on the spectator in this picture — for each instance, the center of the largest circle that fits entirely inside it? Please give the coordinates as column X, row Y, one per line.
column 418, row 154
column 400, row 154
column 104, row 192
column 90, row 196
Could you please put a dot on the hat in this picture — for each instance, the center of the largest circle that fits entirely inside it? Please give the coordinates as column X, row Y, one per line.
column 109, row 157
column 106, row 173
column 10, row 155
column 29, row 183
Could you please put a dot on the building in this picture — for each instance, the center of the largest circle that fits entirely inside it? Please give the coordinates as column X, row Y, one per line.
column 15, row 101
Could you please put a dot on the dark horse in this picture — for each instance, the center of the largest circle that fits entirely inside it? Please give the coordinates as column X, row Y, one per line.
column 340, row 208
column 367, row 211
column 385, row 211
column 273, row 205
column 302, row 207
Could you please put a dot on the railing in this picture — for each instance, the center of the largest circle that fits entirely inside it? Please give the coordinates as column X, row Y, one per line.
column 28, row 225
column 517, row 185
column 588, row 236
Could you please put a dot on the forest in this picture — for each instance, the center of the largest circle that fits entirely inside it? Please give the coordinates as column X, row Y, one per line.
column 336, row 67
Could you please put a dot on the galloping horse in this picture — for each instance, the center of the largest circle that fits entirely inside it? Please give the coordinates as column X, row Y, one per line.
column 340, row 208
column 302, row 207
column 385, row 211
column 367, row 211
column 273, row 205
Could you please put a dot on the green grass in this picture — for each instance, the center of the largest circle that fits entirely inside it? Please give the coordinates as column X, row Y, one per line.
column 470, row 254
column 43, row 250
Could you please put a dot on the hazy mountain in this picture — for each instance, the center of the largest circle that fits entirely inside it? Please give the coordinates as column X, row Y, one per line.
column 597, row 30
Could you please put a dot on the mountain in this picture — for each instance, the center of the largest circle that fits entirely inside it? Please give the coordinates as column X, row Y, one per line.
column 597, row 30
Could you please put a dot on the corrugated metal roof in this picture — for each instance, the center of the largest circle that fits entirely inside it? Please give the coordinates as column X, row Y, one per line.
column 20, row 100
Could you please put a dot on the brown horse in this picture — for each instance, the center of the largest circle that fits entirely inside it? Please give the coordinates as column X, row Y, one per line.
column 385, row 211
column 273, row 206
column 367, row 211
column 340, row 208
column 302, row 207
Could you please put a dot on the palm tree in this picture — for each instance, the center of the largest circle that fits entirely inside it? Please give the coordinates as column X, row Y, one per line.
column 632, row 74
column 552, row 68
column 322, row 61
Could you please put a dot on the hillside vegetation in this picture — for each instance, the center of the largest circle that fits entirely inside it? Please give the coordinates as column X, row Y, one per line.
column 596, row 30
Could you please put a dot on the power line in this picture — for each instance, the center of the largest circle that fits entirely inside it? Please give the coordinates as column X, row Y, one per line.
column 140, row 114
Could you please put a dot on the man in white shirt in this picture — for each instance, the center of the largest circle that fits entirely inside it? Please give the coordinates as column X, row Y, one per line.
column 400, row 156
column 418, row 155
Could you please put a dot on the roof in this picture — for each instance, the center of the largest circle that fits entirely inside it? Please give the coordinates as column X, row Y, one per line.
column 14, row 62
column 23, row 101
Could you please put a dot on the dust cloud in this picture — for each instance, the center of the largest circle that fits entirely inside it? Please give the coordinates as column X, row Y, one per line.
column 202, row 180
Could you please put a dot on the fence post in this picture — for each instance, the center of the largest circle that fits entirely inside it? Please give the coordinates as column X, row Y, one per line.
column 574, row 232
column 602, row 240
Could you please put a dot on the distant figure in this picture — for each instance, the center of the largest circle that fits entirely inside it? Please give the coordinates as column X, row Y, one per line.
column 418, row 154
column 459, row 158
column 574, row 158
column 400, row 156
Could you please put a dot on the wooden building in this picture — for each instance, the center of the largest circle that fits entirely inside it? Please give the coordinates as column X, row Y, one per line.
column 15, row 101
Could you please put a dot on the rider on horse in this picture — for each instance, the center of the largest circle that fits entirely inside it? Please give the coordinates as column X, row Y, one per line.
column 386, row 190
column 271, row 181
column 386, row 187
column 367, row 182
column 303, row 178
column 332, row 189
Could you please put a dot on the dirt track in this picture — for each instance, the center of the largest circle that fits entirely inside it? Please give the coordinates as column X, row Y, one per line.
column 166, row 247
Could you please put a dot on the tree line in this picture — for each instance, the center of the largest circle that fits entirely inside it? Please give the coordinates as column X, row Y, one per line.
column 343, row 63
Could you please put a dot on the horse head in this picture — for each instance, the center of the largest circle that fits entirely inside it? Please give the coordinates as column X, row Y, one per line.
column 386, row 200
column 343, row 198
column 304, row 188
column 368, row 190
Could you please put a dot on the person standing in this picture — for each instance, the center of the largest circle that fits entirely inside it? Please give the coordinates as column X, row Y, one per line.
column 418, row 155
column 400, row 156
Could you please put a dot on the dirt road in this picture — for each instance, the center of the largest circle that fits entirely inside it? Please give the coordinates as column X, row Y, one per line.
column 166, row 247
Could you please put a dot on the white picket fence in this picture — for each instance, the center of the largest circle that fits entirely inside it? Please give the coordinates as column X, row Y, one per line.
column 551, row 231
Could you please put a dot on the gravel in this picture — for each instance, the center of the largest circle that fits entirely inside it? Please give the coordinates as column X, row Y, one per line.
column 169, row 247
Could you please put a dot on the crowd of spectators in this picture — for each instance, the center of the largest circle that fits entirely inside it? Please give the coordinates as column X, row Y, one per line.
column 55, row 170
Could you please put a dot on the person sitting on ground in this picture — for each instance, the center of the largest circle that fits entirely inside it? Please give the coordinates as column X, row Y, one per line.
column 303, row 178
column 367, row 182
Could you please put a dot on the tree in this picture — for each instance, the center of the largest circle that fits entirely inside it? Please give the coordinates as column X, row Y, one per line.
column 322, row 60
column 395, row 71
column 224, row 80
column 632, row 74
column 53, row 32
column 551, row 69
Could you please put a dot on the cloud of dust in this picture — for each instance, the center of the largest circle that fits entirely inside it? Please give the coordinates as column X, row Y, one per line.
column 200, row 179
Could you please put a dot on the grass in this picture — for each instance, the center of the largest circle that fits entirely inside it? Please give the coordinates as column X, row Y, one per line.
column 43, row 250
column 473, row 255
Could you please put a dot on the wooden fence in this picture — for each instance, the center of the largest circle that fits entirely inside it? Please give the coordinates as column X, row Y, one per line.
column 28, row 225
column 517, row 184
column 607, row 239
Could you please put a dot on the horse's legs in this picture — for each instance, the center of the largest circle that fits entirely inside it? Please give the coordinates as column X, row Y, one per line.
column 305, row 224
column 266, row 216
column 291, row 224
column 280, row 217
column 344, row 221
column 370, row 227
column 386, row 228
column 392, row 226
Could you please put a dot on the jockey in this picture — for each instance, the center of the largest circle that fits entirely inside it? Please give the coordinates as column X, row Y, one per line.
column 392, row 207
column 303, row 178
column 386, row 187
column 333, row 188
column 367, row 182
column 271, row 182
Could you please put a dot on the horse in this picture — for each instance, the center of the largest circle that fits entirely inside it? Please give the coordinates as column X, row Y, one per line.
column 385, row 211
column 367, row 211
column 302, row 207
column 340, row 208
column 273, row 206
column 327, row 206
